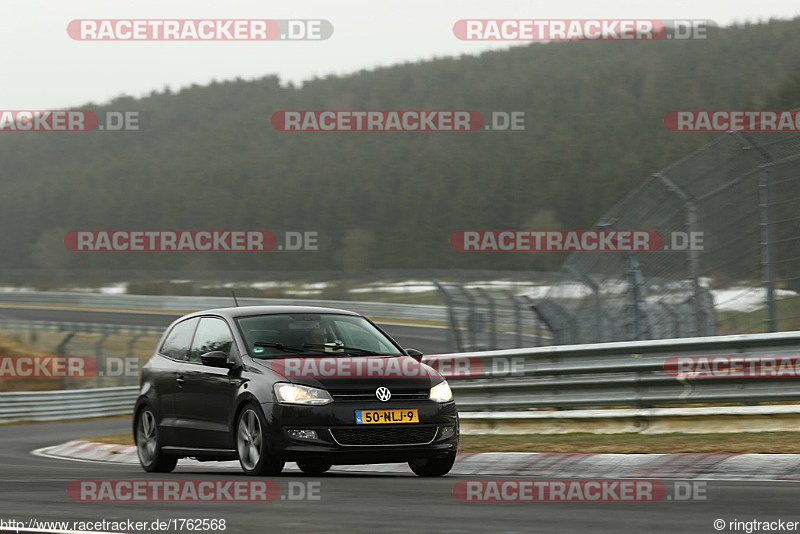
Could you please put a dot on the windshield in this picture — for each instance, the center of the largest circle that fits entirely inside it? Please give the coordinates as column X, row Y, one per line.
column 273, row 335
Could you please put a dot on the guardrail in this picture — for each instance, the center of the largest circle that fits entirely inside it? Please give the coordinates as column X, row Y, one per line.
column 621, row 374
column 187, row 304
column 630, row 373
column 66, row 404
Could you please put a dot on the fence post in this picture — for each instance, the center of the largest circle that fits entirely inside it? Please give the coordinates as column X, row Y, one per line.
column 98, row 356
column 598, row 317
column 767, row 245
column 676, row 321
column 538, row 323
column 492, row 317
column 132, row 344
column 633, row 298
column 517, row 318
column 472, row 318
column 767, row 241
column 454, row 337
column 61, row 352
column 693, row 258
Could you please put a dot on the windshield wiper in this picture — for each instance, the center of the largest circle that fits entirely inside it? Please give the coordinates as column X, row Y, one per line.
column 319, row 349
column 338, row 349
column 284, row 348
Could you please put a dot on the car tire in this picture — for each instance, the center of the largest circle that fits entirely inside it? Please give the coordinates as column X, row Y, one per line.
column 251, row 444
column 433, row 467
column 148, row 444
column 314, row 467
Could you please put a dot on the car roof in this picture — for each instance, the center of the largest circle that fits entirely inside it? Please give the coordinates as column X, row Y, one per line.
column 245, row 311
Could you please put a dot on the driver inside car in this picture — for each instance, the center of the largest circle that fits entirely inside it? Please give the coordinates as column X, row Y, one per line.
column 317, row 336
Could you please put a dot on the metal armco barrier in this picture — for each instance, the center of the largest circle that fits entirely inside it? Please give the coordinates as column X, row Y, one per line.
column 66, row 404
column 621, row 374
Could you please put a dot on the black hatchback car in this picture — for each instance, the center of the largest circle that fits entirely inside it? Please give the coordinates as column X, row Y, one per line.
column 266, row 385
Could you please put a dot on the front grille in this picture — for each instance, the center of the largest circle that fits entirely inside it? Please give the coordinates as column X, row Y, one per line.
column 408, row 435
column 369, row 395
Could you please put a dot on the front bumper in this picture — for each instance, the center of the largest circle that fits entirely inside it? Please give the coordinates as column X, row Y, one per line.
column 436, row 434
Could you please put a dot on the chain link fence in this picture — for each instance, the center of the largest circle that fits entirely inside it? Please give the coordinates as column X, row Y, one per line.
column 729, row 215
column 493, row 315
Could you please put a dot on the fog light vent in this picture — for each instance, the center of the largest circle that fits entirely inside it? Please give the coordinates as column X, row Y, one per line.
column 446, row 431
column 302, row 434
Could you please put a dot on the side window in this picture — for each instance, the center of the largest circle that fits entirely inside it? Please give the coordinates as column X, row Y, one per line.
column 176, row 346
column 212, row 334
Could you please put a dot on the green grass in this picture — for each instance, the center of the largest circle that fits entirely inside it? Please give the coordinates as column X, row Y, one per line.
column 733, row 322
column 745, row 442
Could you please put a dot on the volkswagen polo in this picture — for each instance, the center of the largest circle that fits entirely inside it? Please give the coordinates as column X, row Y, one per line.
column 268, row 385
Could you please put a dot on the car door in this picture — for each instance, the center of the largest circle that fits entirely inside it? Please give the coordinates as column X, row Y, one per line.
column 172, row 353
column 206, row 400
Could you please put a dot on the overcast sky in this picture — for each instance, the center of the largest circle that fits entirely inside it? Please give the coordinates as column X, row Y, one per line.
column 42, row 68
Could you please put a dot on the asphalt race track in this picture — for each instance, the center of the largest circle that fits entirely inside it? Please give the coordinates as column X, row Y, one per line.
column 35, row 487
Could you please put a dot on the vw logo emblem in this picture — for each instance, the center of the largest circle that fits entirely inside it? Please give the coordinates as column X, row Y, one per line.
column 383, row 394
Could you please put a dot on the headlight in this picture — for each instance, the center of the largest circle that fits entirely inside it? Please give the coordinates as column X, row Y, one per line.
column 294, row 394
column 441, row 392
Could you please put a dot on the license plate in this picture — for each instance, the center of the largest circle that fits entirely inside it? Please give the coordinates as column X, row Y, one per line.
column 385, row 417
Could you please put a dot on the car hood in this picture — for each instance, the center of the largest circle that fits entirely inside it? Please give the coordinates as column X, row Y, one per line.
column 353, row 372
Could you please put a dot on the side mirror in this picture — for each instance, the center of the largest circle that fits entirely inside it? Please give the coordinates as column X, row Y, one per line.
column 414, row 353
column 215, row 358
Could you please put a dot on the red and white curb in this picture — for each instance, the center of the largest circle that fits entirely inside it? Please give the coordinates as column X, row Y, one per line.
column 87, row 451
column 767, row 467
